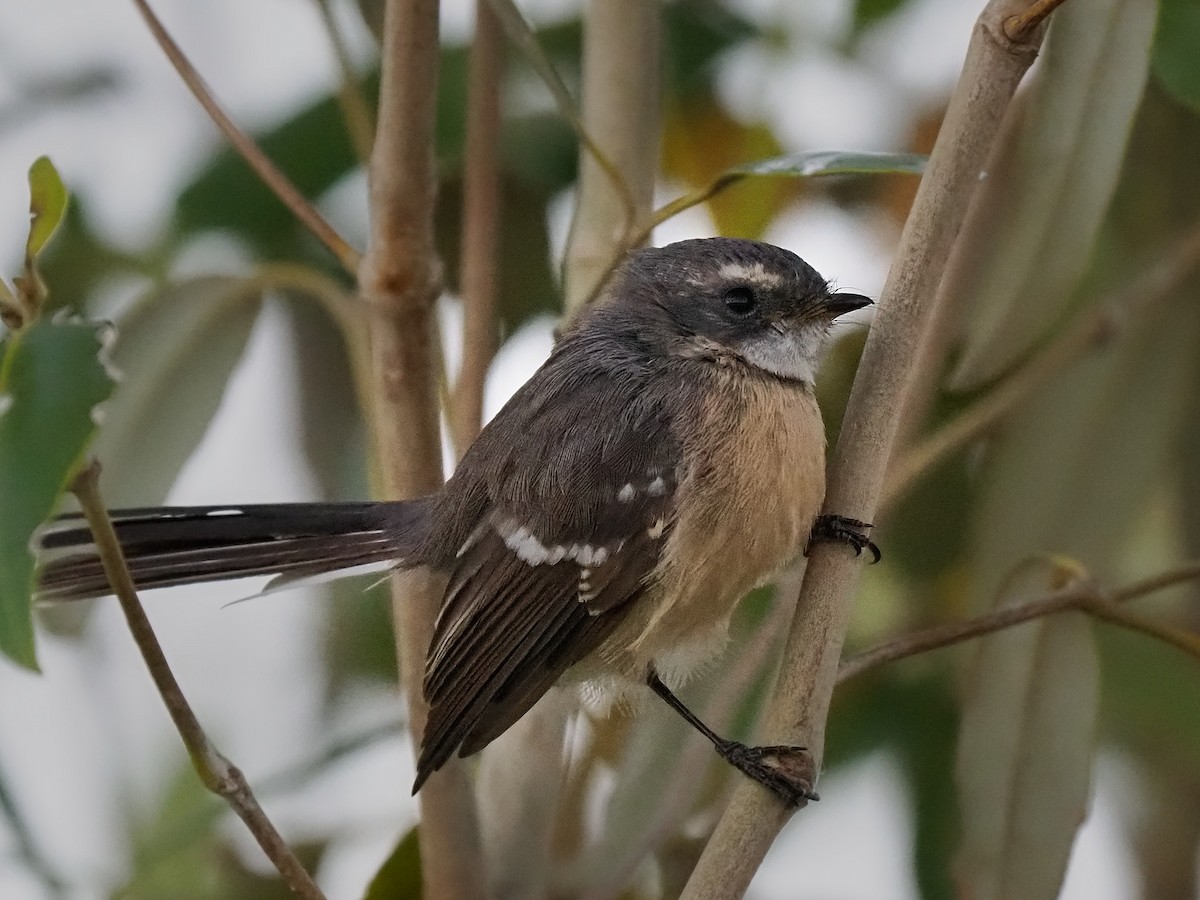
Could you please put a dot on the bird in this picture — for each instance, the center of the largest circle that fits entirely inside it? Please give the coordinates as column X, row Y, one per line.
column 667, row 458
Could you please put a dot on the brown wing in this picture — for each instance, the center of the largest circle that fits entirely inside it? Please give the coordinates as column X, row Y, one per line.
column 532, row 593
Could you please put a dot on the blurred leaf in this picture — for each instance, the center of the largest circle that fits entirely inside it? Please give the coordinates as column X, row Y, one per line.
column 51, row 380
column 1026, row 746
column 1177, row 50
column 175, row 350
column 82, row 260
column 399, row 878
column 701, row 140
column 179, row 853
column 1049, row 183
column 695, row 34
column 868, row 12
column 907, row 711
column 332, row 431
column 1073, row 471
column 359, row 643
column 47, row 203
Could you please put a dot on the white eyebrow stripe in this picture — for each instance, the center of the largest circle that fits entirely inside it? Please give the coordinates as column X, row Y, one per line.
column 754, row 273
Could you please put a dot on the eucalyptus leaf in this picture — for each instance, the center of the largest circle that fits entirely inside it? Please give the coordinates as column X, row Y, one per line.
column 1048, row 185
column 811, row 164
column 51, row 381
column 399, row 878
column 1026, row 745
column 175, row 349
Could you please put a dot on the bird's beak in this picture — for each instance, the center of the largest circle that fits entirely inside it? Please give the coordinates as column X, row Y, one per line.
column 840, row 303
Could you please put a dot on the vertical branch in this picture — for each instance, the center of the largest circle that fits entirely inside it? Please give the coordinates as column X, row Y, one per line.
column 621, row 91
column 622, row 95
column 798, row 710
column 481, row 223
column 400, row 278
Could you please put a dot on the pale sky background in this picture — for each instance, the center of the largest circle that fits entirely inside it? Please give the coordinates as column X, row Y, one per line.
column 76, row 741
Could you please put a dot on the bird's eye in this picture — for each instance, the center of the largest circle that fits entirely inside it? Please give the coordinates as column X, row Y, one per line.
column 740, row 300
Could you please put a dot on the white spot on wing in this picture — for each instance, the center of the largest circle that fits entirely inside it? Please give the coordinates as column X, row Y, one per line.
column 657, row 487
column 656, row 530
column 626, row 493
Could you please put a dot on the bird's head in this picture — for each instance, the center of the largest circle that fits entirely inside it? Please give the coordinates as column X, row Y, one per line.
column 732, row 299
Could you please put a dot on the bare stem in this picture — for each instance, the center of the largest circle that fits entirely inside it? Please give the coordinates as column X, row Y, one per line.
column 360, row 125
column 1095, row 327
column 245, row 147
column 218, row 774
column 800, row 705
column 1083, row 597
column 400, row 276
column 481, row 223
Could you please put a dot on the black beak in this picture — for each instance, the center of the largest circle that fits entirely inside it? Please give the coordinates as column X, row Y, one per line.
column 840, row 303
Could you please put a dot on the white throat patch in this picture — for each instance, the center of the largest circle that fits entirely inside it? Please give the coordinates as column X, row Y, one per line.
column 792, row 355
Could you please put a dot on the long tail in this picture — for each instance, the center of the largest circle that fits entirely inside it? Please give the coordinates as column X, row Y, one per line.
column 168, row 546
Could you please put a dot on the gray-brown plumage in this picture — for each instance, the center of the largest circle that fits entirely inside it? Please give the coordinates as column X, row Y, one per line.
column 668, row 457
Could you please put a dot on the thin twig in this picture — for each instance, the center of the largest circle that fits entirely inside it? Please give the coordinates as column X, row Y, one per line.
column 217, row 773
column 1095, row 327
column 480, row 224
column 1082, row 596
column 799, row 706
column 360, row 125
column 249, row 151
column 400, row 277
column 522, row 35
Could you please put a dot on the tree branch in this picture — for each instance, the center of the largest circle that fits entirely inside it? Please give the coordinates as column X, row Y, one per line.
column 622, row 91
column 800, row 705
column 1082, row 597
column 245, row 147
column 1095, row 327
column 481, row 224
column 400, row 277
column 217, row 773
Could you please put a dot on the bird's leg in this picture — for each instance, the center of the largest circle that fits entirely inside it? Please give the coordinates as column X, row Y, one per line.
column 845, row 531
column 785, row 771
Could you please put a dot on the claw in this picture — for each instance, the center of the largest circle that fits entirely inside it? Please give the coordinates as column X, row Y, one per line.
column 787, row 772
column 847, row 531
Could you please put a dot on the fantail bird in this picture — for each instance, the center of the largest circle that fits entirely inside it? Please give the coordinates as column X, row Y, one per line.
column 668, row 457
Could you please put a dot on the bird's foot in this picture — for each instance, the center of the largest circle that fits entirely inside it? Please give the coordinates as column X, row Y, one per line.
column 846, row 531
column 787, row 772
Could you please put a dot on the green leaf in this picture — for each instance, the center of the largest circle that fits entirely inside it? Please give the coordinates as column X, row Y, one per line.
column 812, row 164
column 399, row 878
column 51, row 380
column 1026, row 745
column 1176, row 62
column 175, row 350
column 47, row 204
column 1034, row 220
column 868, row 12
